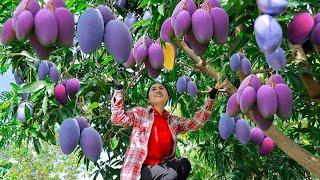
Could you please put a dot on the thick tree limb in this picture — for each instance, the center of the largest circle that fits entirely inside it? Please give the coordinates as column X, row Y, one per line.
column 311, row 84
column 292, row 149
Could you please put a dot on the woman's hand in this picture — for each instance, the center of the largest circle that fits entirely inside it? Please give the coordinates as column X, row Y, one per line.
column 213, row 91
column 117, row 85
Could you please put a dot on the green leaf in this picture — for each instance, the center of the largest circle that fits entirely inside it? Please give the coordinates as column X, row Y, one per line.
column 94, row 105
column 50, row 88
column 33, row 87
column 14, row 86
column 114, row 142
column 70, row 3
column 37, row 145
column 45, row 104
column 161, row 9
column 27, row 112
column 178, row 152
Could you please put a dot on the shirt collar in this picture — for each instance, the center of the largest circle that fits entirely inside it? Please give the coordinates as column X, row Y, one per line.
column 164, row 114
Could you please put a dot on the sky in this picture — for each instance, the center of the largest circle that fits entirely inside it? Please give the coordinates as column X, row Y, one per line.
column 5, row 81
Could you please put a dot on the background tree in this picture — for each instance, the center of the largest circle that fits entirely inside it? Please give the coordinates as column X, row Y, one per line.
column 296, row 139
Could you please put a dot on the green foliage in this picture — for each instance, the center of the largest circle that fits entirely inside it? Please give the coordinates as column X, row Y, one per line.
column 211, row 157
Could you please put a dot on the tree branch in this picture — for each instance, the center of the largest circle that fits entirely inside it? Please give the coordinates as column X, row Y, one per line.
column 311, row 84
column 292, row 149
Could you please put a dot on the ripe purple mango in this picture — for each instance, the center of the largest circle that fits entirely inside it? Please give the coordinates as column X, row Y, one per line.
column 69, row 135
column 25, row 96
column 266, row 146
column 182, row 23
column 73, row 86
column 41, row 51
column 106, row 13
column 256, row 135
column 212, row 3
column 118, row 40
column 131, row 61
column 54, row 74
column 242, row 131
column 21, row 111
column 140, row 41
column 166, row 32
column 220, row 21
column 268, row 33
column 65, row 22
column 276, row 78
column 248, row 99
column 57, row 4
column 17, row 76
column 43, row 70
column 255, row 83
column 190, row 7
column 202, row 26
column 140, row 54
column 91, row 143
column 121, row 4
column 64, row 82
column 90, row 30
column 241, row 55
column 46, row 27
column 155, row 56
column 300, row 28
column 316, row 19
column 315, row 35
column 226, row 126
column 50, row 64
column 33, row 7
column 82, row 122
column 234, row 62
column 272, row 7
column 245, row 66
column 8, row 35
column 147, row 15
column 267, row 101
column 277, row 59
column 24, row 25
column 36, row 63
column 153, row 73
column 187, row 78
column 236, row 118
column 262, row 123
column 284, row 99
column 192, row 88
column 60, row 94
column 233, row 108
column 130, row 19
column 198, row 49
column 181, row 85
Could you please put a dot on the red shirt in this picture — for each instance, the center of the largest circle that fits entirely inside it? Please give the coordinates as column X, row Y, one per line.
column 160, row 141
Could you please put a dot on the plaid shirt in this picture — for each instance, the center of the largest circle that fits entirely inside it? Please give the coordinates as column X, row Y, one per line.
column 142, row 120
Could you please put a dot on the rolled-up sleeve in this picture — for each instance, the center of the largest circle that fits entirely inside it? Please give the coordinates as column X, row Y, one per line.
column 119, row 116
column 199, row 120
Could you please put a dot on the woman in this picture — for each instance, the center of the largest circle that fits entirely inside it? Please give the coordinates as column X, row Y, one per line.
column 153, row 141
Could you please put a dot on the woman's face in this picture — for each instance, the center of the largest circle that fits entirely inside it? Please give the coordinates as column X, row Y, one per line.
column 158, row 95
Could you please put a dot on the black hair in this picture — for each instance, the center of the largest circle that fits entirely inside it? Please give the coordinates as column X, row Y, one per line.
column 156, row 83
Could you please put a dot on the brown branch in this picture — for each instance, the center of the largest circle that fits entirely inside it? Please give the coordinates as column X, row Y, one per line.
column 205, row 67
column 292, row 149
column 112, row 8
column 135, row 77
column 71, row 64
column 311, row 84
column 261, row 71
